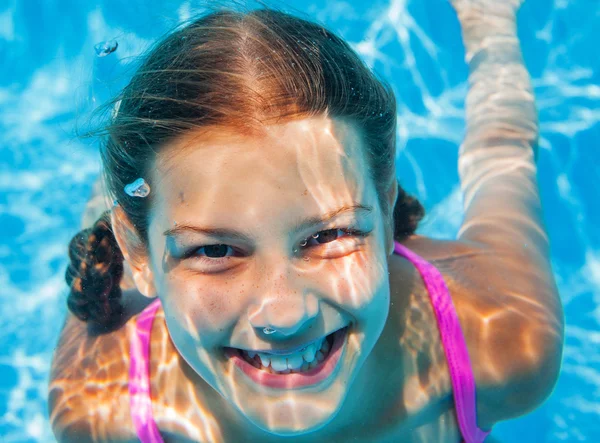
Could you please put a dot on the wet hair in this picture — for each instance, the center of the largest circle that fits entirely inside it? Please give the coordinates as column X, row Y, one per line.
column 94, row 274
column 237, row 70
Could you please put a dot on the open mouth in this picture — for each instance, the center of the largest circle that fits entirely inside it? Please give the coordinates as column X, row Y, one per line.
column 309, row 366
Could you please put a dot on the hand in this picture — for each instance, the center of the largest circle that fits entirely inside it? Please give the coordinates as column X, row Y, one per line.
column 486, row 5
column 472, row 12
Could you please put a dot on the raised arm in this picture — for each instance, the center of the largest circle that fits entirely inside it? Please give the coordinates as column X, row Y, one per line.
column 520, row 331
column 497, row 162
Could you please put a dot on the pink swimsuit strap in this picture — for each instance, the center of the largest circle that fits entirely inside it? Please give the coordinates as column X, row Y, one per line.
column 139, row 377
column 454, row 344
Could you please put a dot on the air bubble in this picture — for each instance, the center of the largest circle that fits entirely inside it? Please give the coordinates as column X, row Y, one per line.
column 105, row 48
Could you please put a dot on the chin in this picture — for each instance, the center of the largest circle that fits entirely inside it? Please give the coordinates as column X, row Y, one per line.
column 290, row 418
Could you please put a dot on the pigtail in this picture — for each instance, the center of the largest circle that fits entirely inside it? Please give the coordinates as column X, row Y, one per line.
column 94, row 274
column 408, row 212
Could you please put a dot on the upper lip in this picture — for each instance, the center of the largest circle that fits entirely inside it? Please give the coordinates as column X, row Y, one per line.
column 282, row 351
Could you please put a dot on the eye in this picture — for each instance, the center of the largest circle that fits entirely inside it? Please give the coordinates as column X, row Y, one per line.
column 217, row 254
column 213, row 251
column 330, row 235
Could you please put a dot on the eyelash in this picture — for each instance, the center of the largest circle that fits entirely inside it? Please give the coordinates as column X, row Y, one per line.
column 350, row 231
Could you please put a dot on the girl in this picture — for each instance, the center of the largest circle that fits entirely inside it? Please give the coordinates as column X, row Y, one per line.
column 259, row 279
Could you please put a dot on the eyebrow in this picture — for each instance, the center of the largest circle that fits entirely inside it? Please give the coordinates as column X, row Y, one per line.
column 299, row 226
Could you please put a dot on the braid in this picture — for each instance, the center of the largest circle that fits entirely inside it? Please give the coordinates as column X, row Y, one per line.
column 408, row 212
column 94, row 274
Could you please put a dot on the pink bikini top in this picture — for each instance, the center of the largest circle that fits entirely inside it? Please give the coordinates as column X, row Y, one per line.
column 453, row 341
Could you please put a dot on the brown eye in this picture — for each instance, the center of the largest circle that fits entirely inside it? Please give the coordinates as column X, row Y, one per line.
column 327, row 236
column 212, row 251
column 330, row 235
column 215, row 251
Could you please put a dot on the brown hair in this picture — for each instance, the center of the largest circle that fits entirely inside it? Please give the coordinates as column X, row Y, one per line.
column 240, row 70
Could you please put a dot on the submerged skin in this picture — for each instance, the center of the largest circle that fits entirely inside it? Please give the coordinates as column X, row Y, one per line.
column 394, row 383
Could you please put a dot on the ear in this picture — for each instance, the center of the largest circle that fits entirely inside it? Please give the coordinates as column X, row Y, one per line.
column 392, row 196
column 134, row 250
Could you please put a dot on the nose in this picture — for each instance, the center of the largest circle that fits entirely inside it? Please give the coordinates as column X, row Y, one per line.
column 284, row 305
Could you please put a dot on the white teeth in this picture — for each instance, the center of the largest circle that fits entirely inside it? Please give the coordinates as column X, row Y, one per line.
column 309, row 353
column 295, row 361
column 278, row 363
column 319, row 344
column 265, row 359
column 304, row 360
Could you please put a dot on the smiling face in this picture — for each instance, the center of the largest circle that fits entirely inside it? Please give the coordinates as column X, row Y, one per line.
column 284, row 232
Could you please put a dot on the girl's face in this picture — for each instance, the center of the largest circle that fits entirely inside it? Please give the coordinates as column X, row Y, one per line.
column 282, row 232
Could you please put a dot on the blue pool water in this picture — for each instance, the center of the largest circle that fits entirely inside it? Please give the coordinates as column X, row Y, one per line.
column 51, row 78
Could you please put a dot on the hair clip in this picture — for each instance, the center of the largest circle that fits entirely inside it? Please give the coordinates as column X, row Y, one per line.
column 138, row 188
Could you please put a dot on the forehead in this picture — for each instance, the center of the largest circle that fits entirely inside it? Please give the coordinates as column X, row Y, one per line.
column 317, row 162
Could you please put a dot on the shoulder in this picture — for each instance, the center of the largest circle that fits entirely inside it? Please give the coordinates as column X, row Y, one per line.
column 88, row 397
column 510, row 321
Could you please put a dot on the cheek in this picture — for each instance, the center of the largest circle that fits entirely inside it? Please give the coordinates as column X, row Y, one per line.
column 201, row 308
column 361, row 284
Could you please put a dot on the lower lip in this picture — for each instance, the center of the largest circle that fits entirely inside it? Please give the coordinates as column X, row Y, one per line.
column 298, row 379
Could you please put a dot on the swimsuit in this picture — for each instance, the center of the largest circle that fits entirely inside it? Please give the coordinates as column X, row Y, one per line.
column 453, row 341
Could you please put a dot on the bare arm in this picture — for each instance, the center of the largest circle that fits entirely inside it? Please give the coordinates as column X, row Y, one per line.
column 88, row 397
column 503, row 212
column 497, row 158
